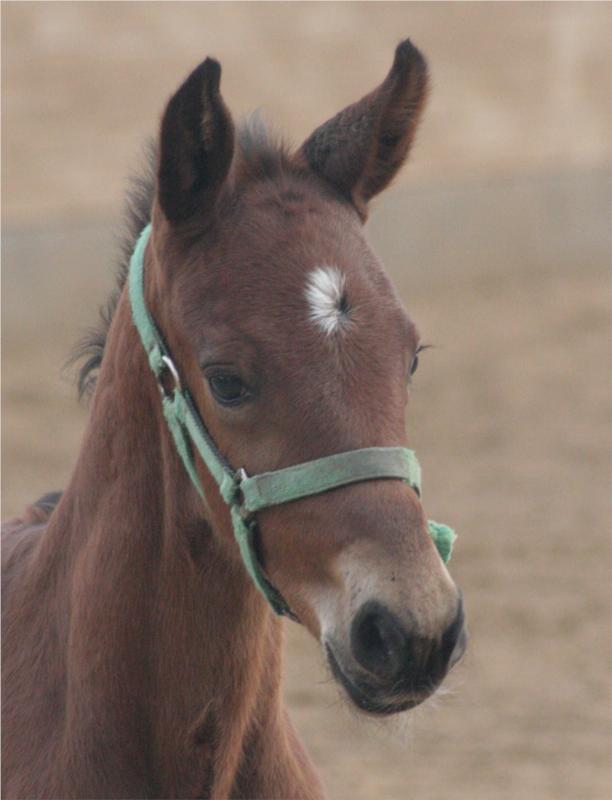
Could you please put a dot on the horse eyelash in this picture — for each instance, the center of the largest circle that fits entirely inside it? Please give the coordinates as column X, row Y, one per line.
column 419, row 349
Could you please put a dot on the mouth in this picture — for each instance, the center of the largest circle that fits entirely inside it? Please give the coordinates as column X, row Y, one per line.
column 367, row 698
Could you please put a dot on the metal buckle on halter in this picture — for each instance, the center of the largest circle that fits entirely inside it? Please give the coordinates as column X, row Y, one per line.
column 171, row 368
column 239, row 476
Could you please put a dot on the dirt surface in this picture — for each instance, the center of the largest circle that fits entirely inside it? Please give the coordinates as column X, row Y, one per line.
column 500, row 247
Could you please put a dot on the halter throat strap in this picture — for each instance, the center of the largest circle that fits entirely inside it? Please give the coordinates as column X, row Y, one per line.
column 246, row 495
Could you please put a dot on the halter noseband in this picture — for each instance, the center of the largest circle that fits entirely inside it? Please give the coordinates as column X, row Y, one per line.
column 244, row 494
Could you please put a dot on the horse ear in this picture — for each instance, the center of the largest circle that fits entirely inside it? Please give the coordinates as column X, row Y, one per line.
column 196, row 145
column 360, row 150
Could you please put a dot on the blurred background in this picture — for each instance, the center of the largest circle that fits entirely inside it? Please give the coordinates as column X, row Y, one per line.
column 498, row 236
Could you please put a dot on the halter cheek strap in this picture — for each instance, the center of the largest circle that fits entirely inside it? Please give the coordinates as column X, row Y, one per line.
column 246, row 495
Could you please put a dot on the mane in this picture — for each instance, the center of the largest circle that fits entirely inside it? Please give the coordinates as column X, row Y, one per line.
column 88, row 353
column 261, row 156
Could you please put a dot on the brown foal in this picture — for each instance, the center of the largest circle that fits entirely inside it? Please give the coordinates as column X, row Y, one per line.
column 139, row 658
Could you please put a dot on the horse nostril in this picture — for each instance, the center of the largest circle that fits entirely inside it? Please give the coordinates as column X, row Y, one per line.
column 378, row 641
column 391, row 653
column 372, row 638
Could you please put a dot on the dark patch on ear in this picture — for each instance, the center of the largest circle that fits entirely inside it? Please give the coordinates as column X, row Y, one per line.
column 361, row 149
column 196, row 145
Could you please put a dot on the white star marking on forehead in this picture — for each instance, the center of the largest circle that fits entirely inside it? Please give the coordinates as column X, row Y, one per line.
column 325, row 296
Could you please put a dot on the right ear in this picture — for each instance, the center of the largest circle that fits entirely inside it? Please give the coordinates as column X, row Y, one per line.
column 360, row 150
column 196, row 146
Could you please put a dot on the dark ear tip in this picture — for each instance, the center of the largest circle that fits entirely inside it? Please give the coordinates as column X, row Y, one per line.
column 205, row 77
column 211, row 73
column 407, row 56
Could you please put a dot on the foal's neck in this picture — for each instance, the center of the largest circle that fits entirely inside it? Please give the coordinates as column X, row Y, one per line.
column 188, row 656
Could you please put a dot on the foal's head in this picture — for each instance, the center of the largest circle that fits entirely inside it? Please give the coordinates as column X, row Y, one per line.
column 295, row 346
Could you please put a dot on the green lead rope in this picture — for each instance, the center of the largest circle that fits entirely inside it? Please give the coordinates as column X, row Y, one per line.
column 246, row 495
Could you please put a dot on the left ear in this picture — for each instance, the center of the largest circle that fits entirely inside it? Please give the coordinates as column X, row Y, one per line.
column 196, row 146
column 360, row 150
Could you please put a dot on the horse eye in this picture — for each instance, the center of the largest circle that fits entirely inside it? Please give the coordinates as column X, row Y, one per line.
column 228, row 389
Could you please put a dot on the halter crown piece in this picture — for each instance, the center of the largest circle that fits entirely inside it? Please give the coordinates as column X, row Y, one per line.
column 246, row 495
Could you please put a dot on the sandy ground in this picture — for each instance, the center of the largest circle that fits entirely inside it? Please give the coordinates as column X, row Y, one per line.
column 513, row 88
column 503, row 262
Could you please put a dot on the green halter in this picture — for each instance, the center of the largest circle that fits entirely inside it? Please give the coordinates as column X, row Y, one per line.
column 245, row 494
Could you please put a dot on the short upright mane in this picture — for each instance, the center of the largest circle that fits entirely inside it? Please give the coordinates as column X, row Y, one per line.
column 261, row 153
column 262, row 156
column 139, row 202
